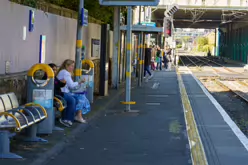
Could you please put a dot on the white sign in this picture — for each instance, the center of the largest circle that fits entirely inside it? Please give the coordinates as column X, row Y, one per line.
column 174, row 44
column 95, row 48
column 88, row 80
column 24, row 35
column 43, row 97
column 42, row 49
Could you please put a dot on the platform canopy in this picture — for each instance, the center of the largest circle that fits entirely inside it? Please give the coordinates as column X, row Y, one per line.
column 207, row 18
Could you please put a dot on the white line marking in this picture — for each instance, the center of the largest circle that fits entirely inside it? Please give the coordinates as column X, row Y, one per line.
column 155, row 85
column 152, row 103
column 158, row 95
column 242, row 138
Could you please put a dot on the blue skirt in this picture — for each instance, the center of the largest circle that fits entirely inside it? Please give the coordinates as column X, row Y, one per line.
column 82, row 103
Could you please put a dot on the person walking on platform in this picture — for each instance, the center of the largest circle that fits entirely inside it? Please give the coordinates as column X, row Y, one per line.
column 159, row 58
column 165, row 60
column 168, row 57
column 153, row 64
column 148, row 54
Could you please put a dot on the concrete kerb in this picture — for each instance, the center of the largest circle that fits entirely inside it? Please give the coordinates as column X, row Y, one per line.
column 60, row 146
column 198, row 154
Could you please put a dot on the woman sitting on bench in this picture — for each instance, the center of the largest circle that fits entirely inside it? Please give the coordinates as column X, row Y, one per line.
column 68, row 112
column 82, row 103
column 58, row 84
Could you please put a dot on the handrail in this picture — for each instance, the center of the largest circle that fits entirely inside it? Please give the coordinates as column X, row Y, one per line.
column 38, row 105
column 18, row 124
column 61, row 107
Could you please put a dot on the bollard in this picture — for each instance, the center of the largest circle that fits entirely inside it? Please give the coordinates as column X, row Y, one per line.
column 88, row 75
column 42, row 92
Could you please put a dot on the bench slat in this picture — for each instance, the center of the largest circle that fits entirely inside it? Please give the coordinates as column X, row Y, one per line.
column 25, row 115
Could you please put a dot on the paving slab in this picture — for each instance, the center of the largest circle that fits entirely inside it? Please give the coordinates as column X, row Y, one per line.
column 221, row 145
column 156, row 135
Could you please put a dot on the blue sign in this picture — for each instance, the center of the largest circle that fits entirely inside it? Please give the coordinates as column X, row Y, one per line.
column 84, row 17
column 31, row 20
column 42, row 55
column 152, row 24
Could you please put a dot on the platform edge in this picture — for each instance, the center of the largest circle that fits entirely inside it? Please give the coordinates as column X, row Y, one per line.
column 198, row 154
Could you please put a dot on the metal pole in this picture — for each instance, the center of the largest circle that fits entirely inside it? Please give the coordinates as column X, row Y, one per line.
column 124, row 57
column 149, row 20
column 139, row 15
column 116, row 48
column 144, row 19
column 140, row 59
column 79, row 45
column 128, row 58
column 143, row 56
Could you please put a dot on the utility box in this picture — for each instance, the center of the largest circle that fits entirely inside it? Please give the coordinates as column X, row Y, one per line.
column 88, row 75
column 42, row 92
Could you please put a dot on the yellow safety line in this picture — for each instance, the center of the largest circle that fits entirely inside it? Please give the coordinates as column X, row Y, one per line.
column 130, row 103
column 38, row 105
column 61, row 107
column 197, row 150
column 18, row 124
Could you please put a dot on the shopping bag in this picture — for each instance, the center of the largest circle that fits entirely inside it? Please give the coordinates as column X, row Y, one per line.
column 81, row 88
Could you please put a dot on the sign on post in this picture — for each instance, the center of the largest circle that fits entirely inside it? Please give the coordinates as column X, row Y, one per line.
column 84, row 17
column 152, row 24
column 129, row 2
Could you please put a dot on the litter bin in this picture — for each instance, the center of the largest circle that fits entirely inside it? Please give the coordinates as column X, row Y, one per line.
column 42, row 92
column 88, row 75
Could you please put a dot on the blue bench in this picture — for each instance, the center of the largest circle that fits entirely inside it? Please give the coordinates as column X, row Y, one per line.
column 59, row 105
column 15, row 118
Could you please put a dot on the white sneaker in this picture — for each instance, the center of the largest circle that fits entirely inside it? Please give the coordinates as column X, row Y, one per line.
column 70, row 123
column 64, row 122
column 150, row 77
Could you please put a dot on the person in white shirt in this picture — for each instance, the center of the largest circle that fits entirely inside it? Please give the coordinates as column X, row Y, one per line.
column 82, row 103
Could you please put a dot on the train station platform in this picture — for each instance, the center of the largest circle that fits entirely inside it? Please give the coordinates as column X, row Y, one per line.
column 156, row 135
column 223, row 141
column 178, row 123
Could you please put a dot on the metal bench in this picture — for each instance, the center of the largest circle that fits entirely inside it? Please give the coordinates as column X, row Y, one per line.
column 15, row 118
column 59, row 103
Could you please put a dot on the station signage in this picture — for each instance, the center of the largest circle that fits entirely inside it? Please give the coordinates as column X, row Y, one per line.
column 151, row 24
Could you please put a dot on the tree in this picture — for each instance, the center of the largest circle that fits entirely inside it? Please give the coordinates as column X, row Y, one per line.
column 102, row 13
column 202, row 41
column 186, row 39
column 202, row 44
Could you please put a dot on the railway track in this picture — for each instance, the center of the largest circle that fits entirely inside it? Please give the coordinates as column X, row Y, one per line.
column 238, row 87
column 201, row 61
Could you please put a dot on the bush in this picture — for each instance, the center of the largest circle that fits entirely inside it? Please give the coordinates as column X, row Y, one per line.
column 179, row 46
